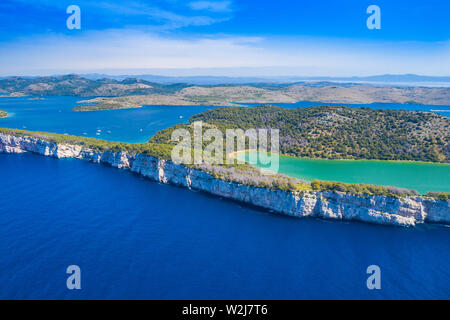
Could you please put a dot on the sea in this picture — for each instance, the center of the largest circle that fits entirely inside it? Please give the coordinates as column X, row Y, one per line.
column 136, row 239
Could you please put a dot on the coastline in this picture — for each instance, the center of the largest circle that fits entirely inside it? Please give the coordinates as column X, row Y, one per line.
column 403, row 211
column 349, row 160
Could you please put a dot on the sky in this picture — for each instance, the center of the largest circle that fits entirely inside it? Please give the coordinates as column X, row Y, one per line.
column 225, row 37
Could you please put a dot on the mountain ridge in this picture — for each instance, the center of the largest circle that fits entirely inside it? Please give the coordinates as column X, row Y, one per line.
column 141, row 92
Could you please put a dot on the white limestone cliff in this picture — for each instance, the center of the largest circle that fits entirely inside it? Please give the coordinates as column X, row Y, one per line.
column 405, row 211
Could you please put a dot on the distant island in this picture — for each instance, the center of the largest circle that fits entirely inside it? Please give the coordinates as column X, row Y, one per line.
column 130, row 102
column 135, row 92
column 12, row 95
column 216, row 80
column 331, row 132
column 104, row 106
column 3, row 114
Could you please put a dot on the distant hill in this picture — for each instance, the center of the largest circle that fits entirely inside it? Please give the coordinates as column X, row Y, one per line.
column 339, row 132
column 146, row 92
column 74, row 85
column 405, row 79
column 197, row 80
column 216, row 80
column 386, row 78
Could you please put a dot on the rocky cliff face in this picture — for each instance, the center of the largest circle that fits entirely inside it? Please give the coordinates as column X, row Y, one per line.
column 407, row 211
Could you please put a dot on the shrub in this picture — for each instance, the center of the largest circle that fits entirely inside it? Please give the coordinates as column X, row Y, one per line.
column 445, row 196
column 361, row 189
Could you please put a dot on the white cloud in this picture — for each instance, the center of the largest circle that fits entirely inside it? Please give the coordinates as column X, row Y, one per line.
column 213, row 6
column 120, row 49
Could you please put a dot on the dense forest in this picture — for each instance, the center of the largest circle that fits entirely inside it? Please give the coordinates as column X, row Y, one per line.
column 334, row 132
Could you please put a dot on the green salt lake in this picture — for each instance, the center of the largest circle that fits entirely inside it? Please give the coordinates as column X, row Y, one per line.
column 420, row 176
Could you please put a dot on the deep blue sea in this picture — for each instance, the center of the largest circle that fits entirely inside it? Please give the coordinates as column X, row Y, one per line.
column 136, row 239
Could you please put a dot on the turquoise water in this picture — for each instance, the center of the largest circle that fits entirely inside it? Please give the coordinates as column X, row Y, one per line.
column 54, row 114
column 419, row 176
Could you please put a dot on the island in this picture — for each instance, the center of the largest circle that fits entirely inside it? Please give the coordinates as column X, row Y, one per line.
column 130, row 102
column 108, row 94
column 238, row 95
column 104, row 106
column 3, row 114
column 278, row 193
column 13, row 95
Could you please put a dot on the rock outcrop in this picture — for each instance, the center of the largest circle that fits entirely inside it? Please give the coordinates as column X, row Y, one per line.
column 404, row 211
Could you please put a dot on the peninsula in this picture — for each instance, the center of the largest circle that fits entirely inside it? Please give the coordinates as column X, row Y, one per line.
column 276, row 193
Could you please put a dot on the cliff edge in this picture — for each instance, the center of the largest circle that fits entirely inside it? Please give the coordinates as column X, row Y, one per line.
column 397, row 211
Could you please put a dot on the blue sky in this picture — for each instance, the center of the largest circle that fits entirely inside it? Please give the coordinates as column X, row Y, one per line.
column 225, row 37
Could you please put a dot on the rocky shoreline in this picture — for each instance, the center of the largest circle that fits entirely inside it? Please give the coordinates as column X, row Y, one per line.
column 403, row 211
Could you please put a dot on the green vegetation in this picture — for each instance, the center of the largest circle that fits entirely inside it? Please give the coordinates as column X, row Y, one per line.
column 329, row 132
column 445, row 196
column 361, row 189
column 3, row 114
